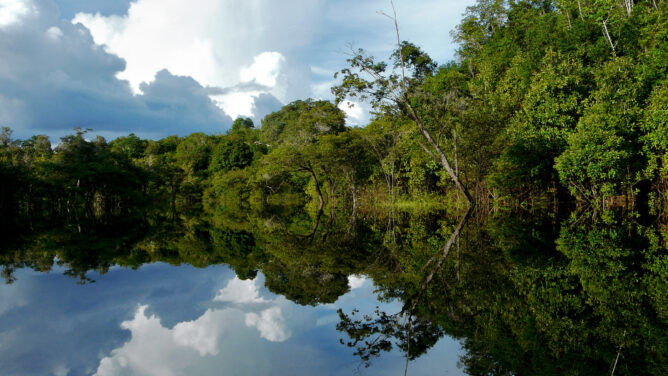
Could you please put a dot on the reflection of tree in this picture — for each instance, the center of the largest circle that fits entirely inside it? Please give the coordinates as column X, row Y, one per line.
column 312, row 269
column 569, row 308
column 526, row 295
column 371, row 335
column 532, row 298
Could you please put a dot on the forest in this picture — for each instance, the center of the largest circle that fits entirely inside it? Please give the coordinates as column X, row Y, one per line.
column 547, row 101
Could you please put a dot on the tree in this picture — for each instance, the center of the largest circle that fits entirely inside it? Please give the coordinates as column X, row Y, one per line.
column 5, row 137
column 242, row 124
column 293, row 131
column 395, row 89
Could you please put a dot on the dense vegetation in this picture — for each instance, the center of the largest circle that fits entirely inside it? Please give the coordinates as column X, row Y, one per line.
column 526, row 292
column 547, row 99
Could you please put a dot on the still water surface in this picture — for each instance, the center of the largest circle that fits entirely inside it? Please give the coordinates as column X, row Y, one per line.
column 167, row 320
column 305, row 293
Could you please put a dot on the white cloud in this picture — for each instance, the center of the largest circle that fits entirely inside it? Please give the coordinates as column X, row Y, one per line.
column 201, row 334
column 208, row 40
column 219, row 43
column 270, row 323
column 236, row 104
column 53, row 77
column 11, row 11
column 265, row 70
column 240, row 292
column 264, row 76
column 355, row 114
column 54, row 33
column 356, row 281
column 151, row 350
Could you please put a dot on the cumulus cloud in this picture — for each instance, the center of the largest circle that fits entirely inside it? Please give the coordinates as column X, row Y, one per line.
column 53, row 77
column 265, row 70
column 355, row 113
column 356, row 281
column 270, row 323
column 105, row 70
column 11, row 12
column 151, row 351
column 240, row 292
column 213, row 38
column 264, row 78
column 290, row 47
column 219, row 43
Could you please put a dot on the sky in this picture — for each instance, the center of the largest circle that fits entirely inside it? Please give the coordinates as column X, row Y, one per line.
column 162, row 67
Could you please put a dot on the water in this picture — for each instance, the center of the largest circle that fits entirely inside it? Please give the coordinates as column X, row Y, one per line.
column 166, row 320
column 299, row 293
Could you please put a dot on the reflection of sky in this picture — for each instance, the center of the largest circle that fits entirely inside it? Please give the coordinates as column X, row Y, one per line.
column 165, row 320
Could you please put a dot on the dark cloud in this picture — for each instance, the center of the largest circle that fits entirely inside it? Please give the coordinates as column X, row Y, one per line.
column 263, row 105
column 53, row 77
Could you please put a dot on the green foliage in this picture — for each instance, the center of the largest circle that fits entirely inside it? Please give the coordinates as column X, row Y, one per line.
column 193, row 153
column 228, row 155
column 131, row 146
column 603, row 156
column 301, row 122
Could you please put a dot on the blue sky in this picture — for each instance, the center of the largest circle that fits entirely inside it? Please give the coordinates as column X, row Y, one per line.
column 160, row 67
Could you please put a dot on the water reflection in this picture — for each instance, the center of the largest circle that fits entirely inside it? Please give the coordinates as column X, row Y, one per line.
column 149, row 323
column 508, row 293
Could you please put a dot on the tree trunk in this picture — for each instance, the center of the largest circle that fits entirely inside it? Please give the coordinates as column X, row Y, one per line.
column 454, row 141
column 443, row 159
column 607, row 35
column 330, row 183
column 354, row 193
column 439, row 263
column 317, row 185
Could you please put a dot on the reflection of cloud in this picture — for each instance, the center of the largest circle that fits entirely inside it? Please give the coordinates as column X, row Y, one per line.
column 150, row 351
column 238, row 291
column 10, row 298
column 157, row 350
column 201, row 334
column 270, row 323
column 53, row 326
column 356, row 281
